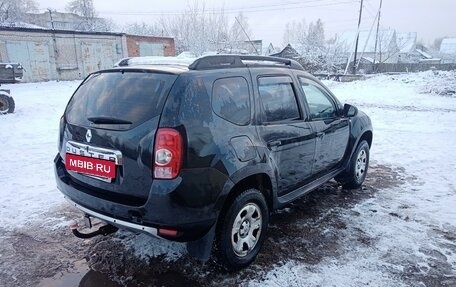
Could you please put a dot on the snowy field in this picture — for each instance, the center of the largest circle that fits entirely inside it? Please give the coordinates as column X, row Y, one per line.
column 400, row 230
column 413, row 224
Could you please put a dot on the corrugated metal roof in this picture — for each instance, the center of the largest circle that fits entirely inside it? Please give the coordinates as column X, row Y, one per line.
column 448, row 46
column 424, row 54
column 406, row 41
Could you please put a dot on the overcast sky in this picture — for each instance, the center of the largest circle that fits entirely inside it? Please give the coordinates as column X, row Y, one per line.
column 267, row 18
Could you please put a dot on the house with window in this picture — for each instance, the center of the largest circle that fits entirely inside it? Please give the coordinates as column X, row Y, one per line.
column 410, row 52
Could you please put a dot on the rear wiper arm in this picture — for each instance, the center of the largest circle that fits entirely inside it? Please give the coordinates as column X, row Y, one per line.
column 108, row 121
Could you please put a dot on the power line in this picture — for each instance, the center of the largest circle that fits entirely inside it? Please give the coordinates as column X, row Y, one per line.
column 278, row 5
column 270, row 7
column 251, row 9
column 374, row 11
column 371, row 6
column 371, row 12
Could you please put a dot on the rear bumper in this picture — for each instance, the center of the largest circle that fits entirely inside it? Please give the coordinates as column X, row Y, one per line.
column 116, row 222
column 171, row 205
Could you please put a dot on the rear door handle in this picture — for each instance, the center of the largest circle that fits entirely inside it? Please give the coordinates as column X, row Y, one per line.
column 274, row 143
column 320, row 135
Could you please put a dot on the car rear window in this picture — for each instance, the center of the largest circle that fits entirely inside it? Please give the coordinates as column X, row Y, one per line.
column 129, row 97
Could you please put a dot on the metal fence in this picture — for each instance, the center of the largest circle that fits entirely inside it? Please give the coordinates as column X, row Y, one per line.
column 403, row 67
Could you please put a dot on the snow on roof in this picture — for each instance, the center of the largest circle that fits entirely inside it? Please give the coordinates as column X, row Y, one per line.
column 268, row 50
column 20, row 25
column 448, row 46
column 384, row 36
column 187, row 54
column 424, row 54
column 433, row 60
column 299, row 48
column 369, row 59
column 289, row 51
column 406, row 41
column 159, row 60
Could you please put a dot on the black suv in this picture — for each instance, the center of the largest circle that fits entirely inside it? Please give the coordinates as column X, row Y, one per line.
column 205, row 151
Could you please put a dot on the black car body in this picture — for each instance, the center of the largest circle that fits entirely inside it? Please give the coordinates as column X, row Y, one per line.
column 185, row 141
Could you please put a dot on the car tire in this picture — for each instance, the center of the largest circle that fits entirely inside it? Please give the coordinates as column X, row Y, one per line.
column 357, row 171
column 242, row 229
column 6, row 104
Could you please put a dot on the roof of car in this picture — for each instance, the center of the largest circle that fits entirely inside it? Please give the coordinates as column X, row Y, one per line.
column 177, row 65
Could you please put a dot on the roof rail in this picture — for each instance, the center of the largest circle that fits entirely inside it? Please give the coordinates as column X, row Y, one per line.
column 154, row 60
column 237, row 61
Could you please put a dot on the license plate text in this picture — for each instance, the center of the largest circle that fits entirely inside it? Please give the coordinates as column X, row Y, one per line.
column 90, row 165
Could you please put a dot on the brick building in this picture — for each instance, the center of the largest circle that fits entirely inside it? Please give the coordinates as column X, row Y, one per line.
column 150, row 46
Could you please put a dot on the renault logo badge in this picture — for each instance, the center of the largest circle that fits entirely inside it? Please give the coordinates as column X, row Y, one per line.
column 88, row 136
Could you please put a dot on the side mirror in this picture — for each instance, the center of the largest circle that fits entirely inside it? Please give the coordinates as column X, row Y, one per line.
column 350, row 111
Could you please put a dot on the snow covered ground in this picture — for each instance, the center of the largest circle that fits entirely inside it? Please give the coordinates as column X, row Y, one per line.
column 28, row 147
column 410, row 227
column 414, row 223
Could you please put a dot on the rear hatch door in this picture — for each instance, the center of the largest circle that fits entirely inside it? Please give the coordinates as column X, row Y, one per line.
column 111, row 122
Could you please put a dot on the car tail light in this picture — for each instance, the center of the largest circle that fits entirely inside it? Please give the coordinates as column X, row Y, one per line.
column 167, row 154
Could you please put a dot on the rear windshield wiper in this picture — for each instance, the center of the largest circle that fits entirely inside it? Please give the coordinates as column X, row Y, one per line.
column 108, row 121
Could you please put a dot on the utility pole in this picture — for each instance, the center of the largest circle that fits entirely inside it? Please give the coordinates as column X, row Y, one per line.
column 54, row 43
column 50, row 16
column 250, row 41
column 357, row 37
column 376, row 35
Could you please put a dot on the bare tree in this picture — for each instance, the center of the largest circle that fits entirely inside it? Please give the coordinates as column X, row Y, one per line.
column 309, row 42
column 239, row 32
column 314, row 51
column 295, row 33
column 144, row 29
column 437, row 43
column 14, row 10
column 197, row 30
column 86, row 10
column 335, row 55
column 316, row 34
column 388, row 46
column 83, row 8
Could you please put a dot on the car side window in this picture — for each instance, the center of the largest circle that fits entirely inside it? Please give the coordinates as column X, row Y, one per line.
column 231, row 101
column 319, row 102
column 278, row 100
